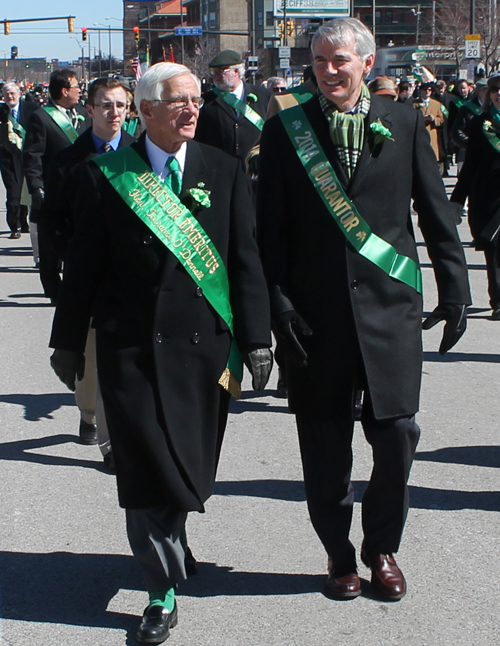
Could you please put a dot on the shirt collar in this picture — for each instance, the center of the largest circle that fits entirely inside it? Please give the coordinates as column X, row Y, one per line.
column 158, row 158
column 239, row 91
column 114, row 143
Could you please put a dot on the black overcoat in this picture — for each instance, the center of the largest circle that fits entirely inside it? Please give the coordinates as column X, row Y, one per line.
column 220, row 126
column 480, row 180
column 161, row 348
column 355, row 310
column 11, row 159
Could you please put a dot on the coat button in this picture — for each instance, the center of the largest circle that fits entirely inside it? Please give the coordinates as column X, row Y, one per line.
column 195, row 338
column 158, row 338
column 354, row 284
column 199, row 292
column 147, row 239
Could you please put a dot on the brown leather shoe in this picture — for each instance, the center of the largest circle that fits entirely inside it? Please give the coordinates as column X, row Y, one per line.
column 387, row 578
column 342, row 584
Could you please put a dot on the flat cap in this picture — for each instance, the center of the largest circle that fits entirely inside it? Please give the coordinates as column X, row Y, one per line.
column 494, row 78
column 226, row 58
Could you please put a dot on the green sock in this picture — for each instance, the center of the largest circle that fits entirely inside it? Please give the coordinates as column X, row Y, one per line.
column 164, row 598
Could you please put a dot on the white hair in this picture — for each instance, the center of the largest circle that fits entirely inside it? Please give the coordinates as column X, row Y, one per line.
column 150, row 87
column 10, row 86
column 342, row 31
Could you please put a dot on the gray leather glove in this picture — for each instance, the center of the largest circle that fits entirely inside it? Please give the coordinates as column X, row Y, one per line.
column 456, row 322
column 37, row 198
column 260, row 364
column 287, row 327
column 68, row 366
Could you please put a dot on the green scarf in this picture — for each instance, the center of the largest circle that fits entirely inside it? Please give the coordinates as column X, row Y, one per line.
column 347, row 129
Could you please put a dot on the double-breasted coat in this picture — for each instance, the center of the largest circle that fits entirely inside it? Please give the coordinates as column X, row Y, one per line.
column 161, row 348
column 362, row 320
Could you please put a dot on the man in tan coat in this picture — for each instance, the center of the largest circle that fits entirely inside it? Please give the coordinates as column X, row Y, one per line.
column 433, row 115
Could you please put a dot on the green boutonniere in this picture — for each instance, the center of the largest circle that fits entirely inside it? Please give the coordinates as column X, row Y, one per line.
column 200, row 195
column 252, row 97
column 380, row 132
column 80, row 117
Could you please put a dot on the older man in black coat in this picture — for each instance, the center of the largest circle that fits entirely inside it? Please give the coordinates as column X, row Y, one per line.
column 340, row 258
column 144, row 265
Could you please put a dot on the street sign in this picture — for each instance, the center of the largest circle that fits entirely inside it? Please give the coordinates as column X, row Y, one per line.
column 311, row 8
column 473, row 46
column 284, row 63
column 188, row 31
column 284, row 52
column 253, row 63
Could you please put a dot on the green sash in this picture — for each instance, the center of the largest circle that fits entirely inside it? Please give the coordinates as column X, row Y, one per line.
column 62, row 122
column 490, row 135
column 343, row 211
column 165, row 215
column 458, row 101
column 17, row 127
column 241, row 106
column 473, row 107
column 444, row 110
column 301, row 93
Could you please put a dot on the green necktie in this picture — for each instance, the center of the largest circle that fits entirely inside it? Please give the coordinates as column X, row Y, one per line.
column 174, row 178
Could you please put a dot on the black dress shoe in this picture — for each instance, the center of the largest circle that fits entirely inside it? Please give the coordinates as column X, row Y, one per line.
column 190, row 563
column 15, row 235
column 88, row 433
column 387, row 578
column 155, row 625
column 342, row 583
column 282, row 388
column 495, row 316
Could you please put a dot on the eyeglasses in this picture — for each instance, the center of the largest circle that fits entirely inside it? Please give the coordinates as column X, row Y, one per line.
column 74, row 87
column 278, row 90
column 494, row 88
column 108, row 106
column 182, row 102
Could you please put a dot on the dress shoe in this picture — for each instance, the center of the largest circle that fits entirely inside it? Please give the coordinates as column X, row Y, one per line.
column 190, row 563
column 88, row 433
column 496, row 315
column 282, row 389
column 342, row 584
column 155, row 625
column 15, row 235
column 387, row 578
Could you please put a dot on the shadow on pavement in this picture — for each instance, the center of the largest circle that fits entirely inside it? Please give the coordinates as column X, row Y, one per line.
column 450, row 357
column 479, row 456
column 37, row 407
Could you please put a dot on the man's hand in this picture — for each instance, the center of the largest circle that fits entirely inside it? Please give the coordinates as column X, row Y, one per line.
column 456, row 323
column 287, row 326
column 68, row 366
column 260, row 363
column 37, row 198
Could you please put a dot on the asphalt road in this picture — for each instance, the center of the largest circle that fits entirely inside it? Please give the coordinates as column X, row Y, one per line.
column 66, row 572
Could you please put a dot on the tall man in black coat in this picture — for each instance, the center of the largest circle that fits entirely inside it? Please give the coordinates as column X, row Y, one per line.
column 345, row 292
column 221, row 123
column 50, row 129
column 169, row 284
column 14, row 113
column 107, row 105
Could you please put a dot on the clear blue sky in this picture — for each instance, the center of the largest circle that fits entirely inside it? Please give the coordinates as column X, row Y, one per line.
column 51, row 39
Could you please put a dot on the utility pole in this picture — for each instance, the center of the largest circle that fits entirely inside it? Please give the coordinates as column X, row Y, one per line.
column 472, row 16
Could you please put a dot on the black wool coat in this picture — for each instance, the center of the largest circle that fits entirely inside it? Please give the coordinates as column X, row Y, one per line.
column 11, row 158
column 161, row 348
column 479, row 179
column 220, row 126
column 362, row 320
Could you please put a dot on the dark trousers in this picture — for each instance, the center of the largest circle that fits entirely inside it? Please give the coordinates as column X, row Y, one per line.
column 493, row 274
column 326, row 451
column 50, row 263
column 154, row 537
column 16, row 214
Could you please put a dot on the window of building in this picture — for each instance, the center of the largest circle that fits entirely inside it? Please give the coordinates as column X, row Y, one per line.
column 269, row 19
column 260, row 19
column 388, row 15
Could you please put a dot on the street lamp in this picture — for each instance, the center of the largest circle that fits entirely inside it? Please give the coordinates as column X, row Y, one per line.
column 109, row 31
column 416, row 12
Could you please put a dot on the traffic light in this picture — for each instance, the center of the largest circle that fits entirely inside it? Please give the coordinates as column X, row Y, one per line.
column 281, row 29
column 49, row 66
column 6, row 28
column 137, row 36
column 84, row 33
column 290, row 27
column 71, row 24
column 26, row 65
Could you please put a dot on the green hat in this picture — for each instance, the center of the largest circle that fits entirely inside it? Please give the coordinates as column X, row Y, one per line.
column 226, row 58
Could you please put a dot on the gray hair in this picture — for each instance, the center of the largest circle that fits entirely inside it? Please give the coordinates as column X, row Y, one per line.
column 342, row 31
column 273, row 81
column 150, row 87
column 10, row 86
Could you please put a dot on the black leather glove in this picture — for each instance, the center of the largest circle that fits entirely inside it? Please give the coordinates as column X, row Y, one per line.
column 260, row 364
column 37, row 198
column 456, row 323
column 68, row 366
column 287, row 326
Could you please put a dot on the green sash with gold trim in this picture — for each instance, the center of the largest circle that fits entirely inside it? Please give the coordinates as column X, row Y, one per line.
column 17, row 127
column 165, row 215
column 241, row 106
column 62, row 122
column 301, row 93
column 340, row 207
